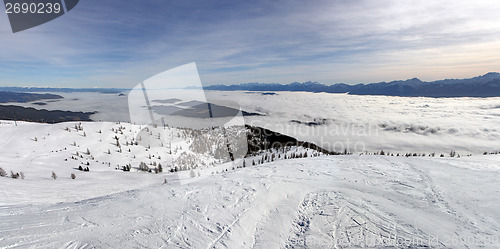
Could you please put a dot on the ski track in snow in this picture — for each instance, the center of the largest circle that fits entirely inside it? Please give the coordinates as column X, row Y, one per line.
column 326, row 202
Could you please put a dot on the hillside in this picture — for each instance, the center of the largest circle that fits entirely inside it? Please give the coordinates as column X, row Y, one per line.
column 11, row 112
column 21, row 97
column 318, row 201
column 124, row 149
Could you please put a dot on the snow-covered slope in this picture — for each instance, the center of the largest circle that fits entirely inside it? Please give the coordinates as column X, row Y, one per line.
column 323, row 202
column 122, row 155
column 315, row 202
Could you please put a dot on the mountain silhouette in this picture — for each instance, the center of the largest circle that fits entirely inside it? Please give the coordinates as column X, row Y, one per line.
column 487, row 85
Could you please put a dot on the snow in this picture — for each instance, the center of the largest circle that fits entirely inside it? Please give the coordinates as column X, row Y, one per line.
column 345, row 201
column 37, row 150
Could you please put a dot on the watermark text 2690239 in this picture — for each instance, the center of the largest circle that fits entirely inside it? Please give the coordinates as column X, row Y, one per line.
column 32, row 8
column 26, row 14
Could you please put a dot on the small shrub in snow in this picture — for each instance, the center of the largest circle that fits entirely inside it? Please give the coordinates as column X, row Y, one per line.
column 14, row 175
column 127, row 167
column 143, row 167
column 452, row 153
column 2, row 172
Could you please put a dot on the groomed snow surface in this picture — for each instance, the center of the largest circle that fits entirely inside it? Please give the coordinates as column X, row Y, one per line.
column 315, row 202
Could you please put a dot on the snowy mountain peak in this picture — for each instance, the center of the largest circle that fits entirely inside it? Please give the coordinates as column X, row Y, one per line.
column 490, row 75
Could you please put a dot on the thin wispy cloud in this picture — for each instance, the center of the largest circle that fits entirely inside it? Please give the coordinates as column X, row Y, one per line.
column 119, row 43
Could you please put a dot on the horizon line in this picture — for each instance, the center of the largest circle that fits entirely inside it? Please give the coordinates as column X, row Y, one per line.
column 236, row 84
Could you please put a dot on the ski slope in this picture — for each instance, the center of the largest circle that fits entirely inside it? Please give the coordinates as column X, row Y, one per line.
column 321, row 202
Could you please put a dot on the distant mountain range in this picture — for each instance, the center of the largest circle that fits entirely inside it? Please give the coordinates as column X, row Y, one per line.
column 63, row 90
column 487, row 85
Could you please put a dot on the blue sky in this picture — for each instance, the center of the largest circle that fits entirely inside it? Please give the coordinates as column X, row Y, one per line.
column 119, row 43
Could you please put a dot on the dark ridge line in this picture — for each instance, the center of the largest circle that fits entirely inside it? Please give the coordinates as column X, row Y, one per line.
column 260, row 139
column 29, row 114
